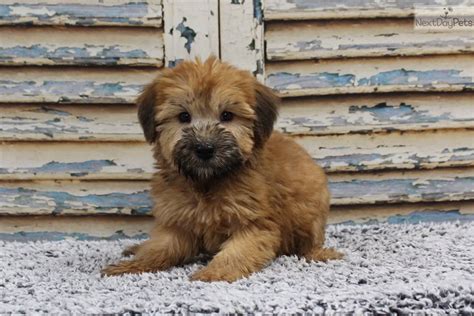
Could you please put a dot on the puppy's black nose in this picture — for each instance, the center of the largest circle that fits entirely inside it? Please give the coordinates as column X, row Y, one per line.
column 205, row 151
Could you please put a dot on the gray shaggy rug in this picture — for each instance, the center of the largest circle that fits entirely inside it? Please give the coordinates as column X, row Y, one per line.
column 422, row 269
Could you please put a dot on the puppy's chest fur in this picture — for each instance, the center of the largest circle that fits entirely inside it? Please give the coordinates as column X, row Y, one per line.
column 212, row 216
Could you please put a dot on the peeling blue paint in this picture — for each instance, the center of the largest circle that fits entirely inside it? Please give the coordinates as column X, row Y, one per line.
column 5, row 10
column 101, row 55
column 357, row 161
column 411, row 77
column 56, row 236
column 138, row 202
column 393, row 46
column 308, row 45
column 360, row 162
column 70, row 91
column 60, row 122
column 174, row 63
column 424, row 216
column 316, row 46
column 282, row 80
column 89, row 166
column 291, row 81
column 17, row 119
column 430, row 216
column 132, row 13
column 403, row 189
column 90, row 54
column 49, row 132
column 258, row 11
column 360, row 4
column 403, row 113
column 187, row 33
column 380, row 114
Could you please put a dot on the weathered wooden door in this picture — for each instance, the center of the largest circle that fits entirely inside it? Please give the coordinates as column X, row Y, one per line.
column 388, row 112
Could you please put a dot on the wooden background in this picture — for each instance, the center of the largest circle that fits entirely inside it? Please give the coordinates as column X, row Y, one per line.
column 387, row 110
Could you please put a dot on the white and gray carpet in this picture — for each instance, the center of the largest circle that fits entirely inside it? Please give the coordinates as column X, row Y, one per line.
column 423, row 268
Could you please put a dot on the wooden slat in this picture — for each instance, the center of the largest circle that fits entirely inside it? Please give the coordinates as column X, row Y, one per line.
column 75, row 161
column 422, row 150
column 115, row 160
column 368, row 75
column 437, row 185
column 360, row 38
column 323, row 115
column 81, row 47
column 131, row 197
column 33, row 228
column 376, row 113
column 64, row 122
column 343, row 9
column 72, row 85
column 73, row 197
column 402, row 213
column 83, row 13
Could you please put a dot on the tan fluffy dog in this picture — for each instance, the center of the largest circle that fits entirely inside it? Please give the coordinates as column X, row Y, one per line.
column 227, row 186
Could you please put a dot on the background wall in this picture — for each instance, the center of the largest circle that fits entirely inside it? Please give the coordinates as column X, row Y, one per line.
column 387, row 110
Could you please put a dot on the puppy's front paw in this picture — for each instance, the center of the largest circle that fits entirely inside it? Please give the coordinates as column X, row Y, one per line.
column 208, row 274
column 123, row 267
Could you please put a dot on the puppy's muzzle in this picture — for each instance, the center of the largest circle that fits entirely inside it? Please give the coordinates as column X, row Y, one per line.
column 206, row 153
column 204, row 150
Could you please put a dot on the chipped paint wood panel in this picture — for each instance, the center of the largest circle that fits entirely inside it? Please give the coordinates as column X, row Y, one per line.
column 359, row 38
column 368, row 75
column 81, row 47
column 127, row 161
column 436, row 185
column 72, row 85
column 29, row 228
column 402, row 213
column 52, row 122
column 82, row 12
column 241, row 35
column 358, row 152
column 344, row 9
column 191, row 29
column 322, row 115
column 63, row 160
column 131, row 197
column 74, row 197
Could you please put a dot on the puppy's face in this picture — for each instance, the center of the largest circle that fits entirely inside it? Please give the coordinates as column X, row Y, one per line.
column 206, row 119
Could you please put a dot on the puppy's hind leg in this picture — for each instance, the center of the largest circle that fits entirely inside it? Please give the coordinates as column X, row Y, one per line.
column 315, row 250
column 131, row 250
column 323, row 254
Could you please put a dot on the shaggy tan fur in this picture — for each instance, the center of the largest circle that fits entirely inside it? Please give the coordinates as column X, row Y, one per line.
column 271, row 200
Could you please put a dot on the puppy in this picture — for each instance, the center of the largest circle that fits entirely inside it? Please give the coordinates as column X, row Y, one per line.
column 227, row 184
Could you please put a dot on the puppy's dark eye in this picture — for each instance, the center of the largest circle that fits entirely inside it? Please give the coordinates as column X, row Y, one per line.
column 227, row 116
column 184, row 117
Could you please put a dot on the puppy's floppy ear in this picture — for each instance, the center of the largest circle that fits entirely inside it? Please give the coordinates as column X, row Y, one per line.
column 266, row 110
column 146, row 102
